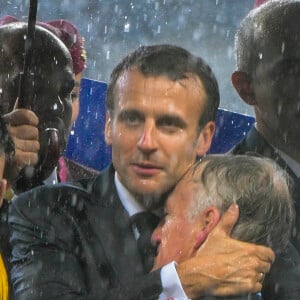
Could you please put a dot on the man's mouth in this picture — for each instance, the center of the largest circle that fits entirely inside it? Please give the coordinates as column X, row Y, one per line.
column 146, row 169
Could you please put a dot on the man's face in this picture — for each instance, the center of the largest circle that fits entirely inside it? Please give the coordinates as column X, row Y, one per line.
column 154, row 131
column 276, row 82
column 176, row 235
column 51, row 82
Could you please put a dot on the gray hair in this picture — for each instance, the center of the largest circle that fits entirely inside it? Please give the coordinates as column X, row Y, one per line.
column 260, row 188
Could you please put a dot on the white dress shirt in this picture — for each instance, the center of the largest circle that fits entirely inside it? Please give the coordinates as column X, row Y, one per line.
column 172, row 288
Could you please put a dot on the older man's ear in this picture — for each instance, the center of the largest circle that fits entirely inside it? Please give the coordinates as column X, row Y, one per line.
column 209, row 218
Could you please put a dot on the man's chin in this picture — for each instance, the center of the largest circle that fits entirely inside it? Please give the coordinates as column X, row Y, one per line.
column 150, row 201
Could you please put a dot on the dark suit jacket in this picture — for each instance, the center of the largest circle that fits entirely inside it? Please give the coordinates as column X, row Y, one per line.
column 72, row 171
column 71, row 242
column 283, row 282
column 75, row 243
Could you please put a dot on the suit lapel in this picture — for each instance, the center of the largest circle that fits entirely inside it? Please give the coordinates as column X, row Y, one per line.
column 256, row 143
column 112, row 229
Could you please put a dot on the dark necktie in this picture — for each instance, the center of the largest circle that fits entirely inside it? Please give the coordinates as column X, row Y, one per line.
column 145, row 222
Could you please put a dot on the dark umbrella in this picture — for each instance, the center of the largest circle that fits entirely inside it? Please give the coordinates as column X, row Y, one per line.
column 25, row 96
column 25, row 90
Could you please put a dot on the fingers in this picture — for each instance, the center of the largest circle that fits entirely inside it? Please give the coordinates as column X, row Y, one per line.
column 24, row 132
column 22, row 126
column 227, row 266
column 228, row 220
column 21, row 117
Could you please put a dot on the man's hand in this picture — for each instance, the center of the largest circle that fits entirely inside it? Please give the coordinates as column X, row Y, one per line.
column 224, row 266
column 22, row 126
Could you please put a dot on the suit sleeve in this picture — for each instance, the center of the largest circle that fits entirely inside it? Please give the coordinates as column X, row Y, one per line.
column 44, row 264
column 282, row 282
column 46, row 255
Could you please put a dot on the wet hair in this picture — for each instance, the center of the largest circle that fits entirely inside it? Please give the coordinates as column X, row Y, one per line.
column 261, row 189
column 174, row 62
column 273, row 19
column 6, row 143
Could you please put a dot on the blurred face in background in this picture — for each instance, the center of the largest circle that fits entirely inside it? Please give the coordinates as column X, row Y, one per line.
column 50, row 84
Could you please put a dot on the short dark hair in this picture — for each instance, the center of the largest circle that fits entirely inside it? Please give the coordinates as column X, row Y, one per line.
column 261, row 189
column 271, row 19
column 174, row 62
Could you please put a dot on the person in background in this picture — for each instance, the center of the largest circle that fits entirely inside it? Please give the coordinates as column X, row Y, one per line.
column 51, row 109
column 268, row 78
column 84, row 240
column 66, row 169
column 257, row 185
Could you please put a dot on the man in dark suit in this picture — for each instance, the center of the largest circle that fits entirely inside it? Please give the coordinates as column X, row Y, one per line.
column 85, row 241
column 268, row 78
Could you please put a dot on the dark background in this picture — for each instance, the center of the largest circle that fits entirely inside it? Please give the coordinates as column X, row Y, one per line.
column 112, row 28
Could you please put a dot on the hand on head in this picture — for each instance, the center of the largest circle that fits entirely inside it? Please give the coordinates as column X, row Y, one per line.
column 225, row 266
column 24, row 132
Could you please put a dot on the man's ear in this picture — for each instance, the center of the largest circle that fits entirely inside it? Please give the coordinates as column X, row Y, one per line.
column 107, row 130
column 209, row 218
column 205, row 138
column 242, row 83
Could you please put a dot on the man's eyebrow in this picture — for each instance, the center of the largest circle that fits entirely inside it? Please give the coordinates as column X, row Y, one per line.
column 172, row 119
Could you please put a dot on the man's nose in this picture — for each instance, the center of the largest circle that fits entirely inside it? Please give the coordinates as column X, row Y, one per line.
column 147, row 141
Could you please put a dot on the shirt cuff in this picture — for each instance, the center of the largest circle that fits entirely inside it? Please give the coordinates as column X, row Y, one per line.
column 172, row 288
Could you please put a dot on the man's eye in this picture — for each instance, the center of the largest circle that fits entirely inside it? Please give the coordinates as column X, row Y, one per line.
column 171, row 124
column 130, row 118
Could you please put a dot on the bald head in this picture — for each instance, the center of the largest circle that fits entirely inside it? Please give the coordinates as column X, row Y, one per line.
column 274, row 25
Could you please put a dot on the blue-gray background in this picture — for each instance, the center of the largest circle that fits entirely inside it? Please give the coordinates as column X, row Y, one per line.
column 114, row 27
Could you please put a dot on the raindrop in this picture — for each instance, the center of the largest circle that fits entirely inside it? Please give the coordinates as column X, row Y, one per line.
column 260, row 55
column 282, row 47
column 126, row 27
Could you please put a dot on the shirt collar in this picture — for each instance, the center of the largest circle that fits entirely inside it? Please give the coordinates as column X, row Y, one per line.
column 293, row 164
column 52, row 179
column 128, row 201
